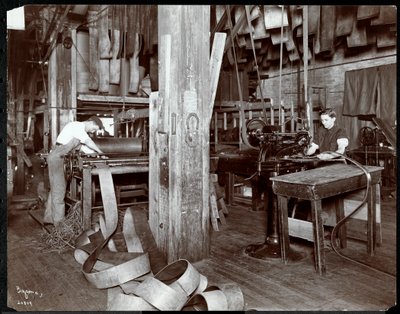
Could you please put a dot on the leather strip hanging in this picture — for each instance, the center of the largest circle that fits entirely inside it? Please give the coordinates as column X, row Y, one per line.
column 128, row 276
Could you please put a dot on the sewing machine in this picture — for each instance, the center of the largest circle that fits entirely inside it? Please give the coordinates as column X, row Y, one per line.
column 272, row 153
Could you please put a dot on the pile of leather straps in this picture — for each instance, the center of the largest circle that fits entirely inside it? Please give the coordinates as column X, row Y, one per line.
column 128, row 274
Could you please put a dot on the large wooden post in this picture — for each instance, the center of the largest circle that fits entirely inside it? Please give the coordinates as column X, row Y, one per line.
column 52, row 100
column 179, row 134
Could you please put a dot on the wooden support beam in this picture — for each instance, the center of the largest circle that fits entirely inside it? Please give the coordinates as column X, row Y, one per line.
column 53, row 105
column 183, row 134
column 73, row 76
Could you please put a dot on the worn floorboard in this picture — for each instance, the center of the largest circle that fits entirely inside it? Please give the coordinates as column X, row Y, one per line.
column 54, row 281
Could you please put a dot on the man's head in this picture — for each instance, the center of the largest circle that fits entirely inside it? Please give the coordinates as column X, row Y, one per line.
column 328, row 118
column 94, row 124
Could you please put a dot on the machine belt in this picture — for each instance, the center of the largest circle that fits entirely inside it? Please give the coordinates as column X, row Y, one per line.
column 128, row 276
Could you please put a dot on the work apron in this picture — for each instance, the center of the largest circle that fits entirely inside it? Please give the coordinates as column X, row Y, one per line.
column 55, row 209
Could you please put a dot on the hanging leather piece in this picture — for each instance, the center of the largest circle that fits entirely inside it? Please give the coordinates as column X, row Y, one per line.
column 153, row 29
column 326, row 30
column 104, row 47
column 134, row 77
column 104, row 75
column 345, row 16
column 145, row 29
column 291, row 47
column 104, row 39
column 273, row 17
column 276, row 37
column 115, row 62
column 387, row 15
column 313, row 21
column 296, row 18
column 93, row 51
column 121, row 18
column 131, row 30
column 358, row 36
column 384, row 38
column 367, row 11
column 259, row 27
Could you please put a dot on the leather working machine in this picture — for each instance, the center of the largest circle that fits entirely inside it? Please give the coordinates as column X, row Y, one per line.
column 273, row 153
column 124, row 156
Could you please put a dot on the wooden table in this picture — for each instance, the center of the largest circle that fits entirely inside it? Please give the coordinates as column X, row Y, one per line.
column 315, row 185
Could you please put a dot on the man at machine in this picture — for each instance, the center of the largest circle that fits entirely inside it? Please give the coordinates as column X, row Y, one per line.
column 73, row 136
column 330, row 138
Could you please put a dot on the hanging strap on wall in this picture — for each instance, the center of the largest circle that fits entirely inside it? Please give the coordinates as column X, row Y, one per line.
column 255, row 61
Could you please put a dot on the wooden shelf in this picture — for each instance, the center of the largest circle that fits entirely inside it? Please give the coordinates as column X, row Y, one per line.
column 112, row 100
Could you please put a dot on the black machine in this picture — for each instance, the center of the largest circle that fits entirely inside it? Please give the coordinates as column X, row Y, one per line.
column 278, row 153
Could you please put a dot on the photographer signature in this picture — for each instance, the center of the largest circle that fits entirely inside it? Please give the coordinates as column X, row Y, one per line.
column 28, row 295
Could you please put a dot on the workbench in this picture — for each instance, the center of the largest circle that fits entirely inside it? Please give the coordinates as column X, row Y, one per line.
column 315, row 185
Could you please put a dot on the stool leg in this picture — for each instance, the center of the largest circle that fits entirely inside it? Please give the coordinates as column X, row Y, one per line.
column 318, row 229
column 371, row 223
column 283, row 227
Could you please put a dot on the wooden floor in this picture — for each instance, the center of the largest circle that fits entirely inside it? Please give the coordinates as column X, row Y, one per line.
column 43, row 281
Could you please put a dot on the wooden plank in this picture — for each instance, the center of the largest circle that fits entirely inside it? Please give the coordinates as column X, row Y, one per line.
column 53, row 104
column 213, row 207
column 215, row 67
column 73, row 77
column 113, row 99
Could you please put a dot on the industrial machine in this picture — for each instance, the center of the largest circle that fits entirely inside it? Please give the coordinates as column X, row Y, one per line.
column 123, row 156
column 378, row 148
column 273, row 153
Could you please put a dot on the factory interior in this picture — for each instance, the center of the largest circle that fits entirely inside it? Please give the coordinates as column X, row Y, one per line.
column 200, row 158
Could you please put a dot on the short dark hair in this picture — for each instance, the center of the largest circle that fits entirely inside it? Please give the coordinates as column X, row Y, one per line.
column 328, row 111
column 96, row 120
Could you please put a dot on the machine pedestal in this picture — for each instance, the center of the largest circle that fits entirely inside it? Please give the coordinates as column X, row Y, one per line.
column 271, row 247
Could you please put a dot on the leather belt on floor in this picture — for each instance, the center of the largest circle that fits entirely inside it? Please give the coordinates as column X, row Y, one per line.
column 127, row 275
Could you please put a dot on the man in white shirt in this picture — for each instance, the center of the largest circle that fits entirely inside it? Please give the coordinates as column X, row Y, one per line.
column 73, row 136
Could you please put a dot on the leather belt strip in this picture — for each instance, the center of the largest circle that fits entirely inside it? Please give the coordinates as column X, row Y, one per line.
column 128, row 276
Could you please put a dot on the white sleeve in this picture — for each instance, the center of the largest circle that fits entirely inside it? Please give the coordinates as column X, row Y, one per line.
column 80, row 133
column 87, row 150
